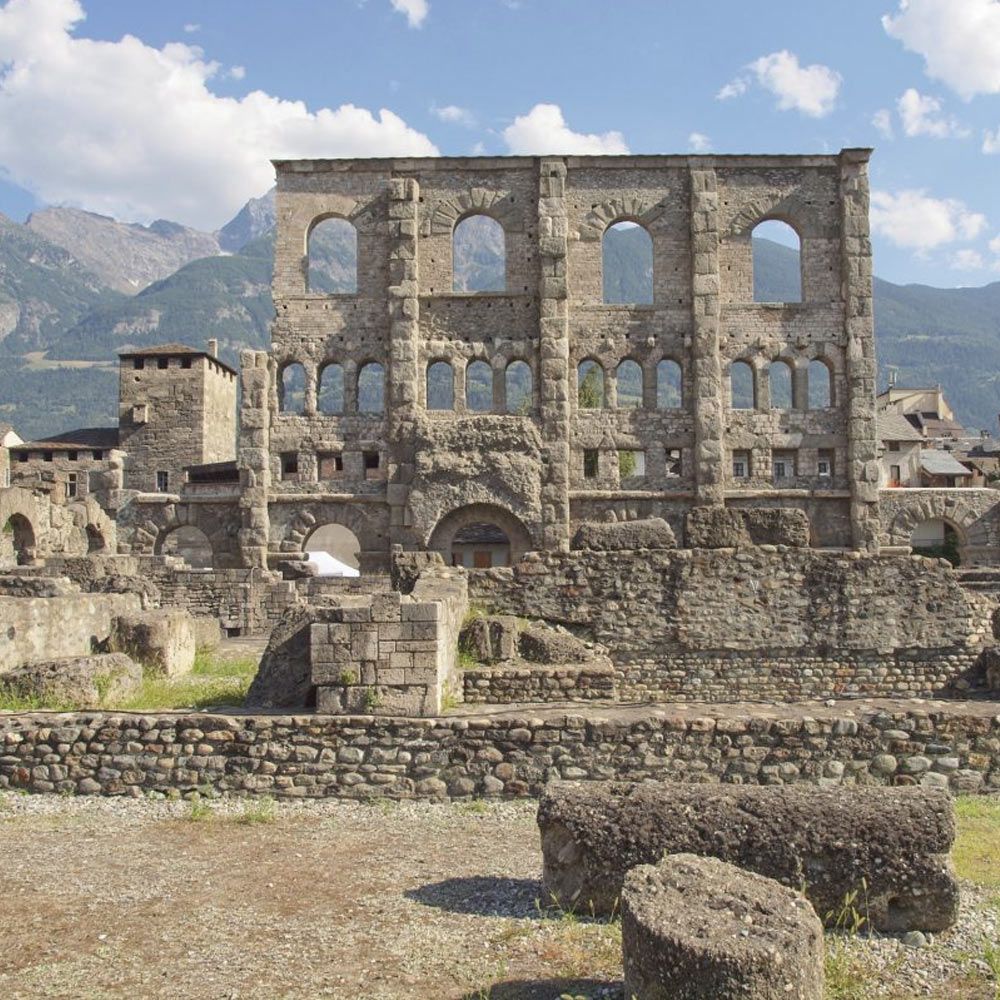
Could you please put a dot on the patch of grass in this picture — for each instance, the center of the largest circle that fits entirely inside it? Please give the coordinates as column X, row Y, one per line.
column 977, row 845
column 200, row 811
column 846, row 976
column 474, row 807
column 11, row 701
column 260, row 810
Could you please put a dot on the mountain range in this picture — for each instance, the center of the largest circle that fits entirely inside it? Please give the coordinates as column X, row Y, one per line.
column 76, row 288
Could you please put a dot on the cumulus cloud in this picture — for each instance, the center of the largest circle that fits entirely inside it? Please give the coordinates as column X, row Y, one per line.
column 959, row 40
column 699, row 142
column 454, row 115
column 914, row 220
column 543, row 131
column 812, row 90
column 967, row 260
column 190, row 28
column 921, row 115
column 134, row 131
column 237, row 72
column 882, row 120
column 991, row 141
column 995, row 244
column 414, row 11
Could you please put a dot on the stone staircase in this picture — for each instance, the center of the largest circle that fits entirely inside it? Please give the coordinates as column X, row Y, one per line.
column 981, row 579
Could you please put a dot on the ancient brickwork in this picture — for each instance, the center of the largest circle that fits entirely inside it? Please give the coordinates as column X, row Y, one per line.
column 523, row 683
column 511, row 755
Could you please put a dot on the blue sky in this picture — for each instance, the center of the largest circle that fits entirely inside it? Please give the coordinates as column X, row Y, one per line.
column 145, row 110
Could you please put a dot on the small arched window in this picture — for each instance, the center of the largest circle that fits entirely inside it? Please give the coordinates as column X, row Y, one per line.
column 292, row 388
column 330, row 398
column 333, row 258
column 820, row 385
column 440, row 386
column 517, row 387
column 777, row 262
column 479, row 387
column 741, row 384
column 627, row 264
column 669, row 385
column 479, row 255
column 628, row 381
column 590, row 385
column 779, row 376
column 371, row 388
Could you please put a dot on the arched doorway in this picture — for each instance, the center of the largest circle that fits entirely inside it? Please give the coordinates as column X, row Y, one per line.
column 95, row 540
column 188, row 543
column 334, row 550
column 480, row 536
column 17, row 545
column 937, row 538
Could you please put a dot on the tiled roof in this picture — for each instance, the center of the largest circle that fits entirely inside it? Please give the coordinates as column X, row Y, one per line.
column 895, row 427
column 83, row 437
column 942, row 463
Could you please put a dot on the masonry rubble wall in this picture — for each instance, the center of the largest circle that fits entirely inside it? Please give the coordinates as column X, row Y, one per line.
column 947, row 745
column 757, row 623
column 504, row 685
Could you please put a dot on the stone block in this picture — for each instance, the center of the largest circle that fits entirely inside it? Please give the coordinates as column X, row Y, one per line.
column 207, row 633
column 716, row 528
column 647, row 533
column 79, row 681
column 162, row 641
column 696, row 928
column 777, row 526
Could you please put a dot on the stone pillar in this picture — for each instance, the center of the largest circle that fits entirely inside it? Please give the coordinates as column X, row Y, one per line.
column 499, row 390
column 705, row 311
column 554, row 374
column 404, row 331
column 800, row 387
column 254, row 456
column 310, row 393
column 859, row 339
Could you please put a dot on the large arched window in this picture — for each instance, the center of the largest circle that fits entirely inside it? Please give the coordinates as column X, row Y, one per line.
column 292, row 388
column 627, row 265
column 334, row 550
column 628, row 382
column 777, row 262
column 330, row 398
column 590, row 385
column 669, row 385
column 479, row 255
column 190, row 544
column 479, row 387
column 779, row 376
column 820, row 385
column 440, row 386
column 17, row 541
column 371, row 388
column 517, row 387
column 742, row 388
column 333, row 258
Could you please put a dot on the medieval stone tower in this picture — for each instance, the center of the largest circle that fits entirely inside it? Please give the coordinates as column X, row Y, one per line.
column 176, row 407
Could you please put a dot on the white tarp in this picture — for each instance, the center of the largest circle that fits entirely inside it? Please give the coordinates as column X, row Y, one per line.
column 328, row 565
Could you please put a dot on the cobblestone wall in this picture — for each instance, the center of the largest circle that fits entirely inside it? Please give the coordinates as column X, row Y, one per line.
column 954, row 746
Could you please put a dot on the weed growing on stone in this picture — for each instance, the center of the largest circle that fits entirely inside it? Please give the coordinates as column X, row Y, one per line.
column 372, row 699
column 847, row 918
column 200, row 811
column 260, row 810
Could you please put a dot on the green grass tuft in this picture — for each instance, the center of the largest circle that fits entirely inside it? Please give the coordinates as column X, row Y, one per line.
column 260, row 810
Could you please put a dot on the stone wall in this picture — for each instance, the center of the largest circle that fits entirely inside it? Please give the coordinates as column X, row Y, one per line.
column 756, row 623
column 506, row 685
column 944, row 745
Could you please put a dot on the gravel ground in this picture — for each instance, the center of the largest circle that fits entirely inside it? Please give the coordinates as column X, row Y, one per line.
column 120, row 898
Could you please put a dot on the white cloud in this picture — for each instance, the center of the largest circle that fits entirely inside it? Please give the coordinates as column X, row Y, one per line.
column 190, row 29
column 882, row 120
column 237, row 72
column 995, row 244
column 699, row 142
column 991, row 141
column 735, row 88
column 918, row 222
column 134, row 131
column 967, row 260
column 454, row 115
column 414, row 10
column 543, row 130
column 959, row 40
column 810, row 89
column 921, row 115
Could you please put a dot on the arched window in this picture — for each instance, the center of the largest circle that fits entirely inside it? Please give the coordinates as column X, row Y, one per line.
column 479, row 255
column 333, row 258
column 779, row 376
column 371, row 388
column 590, row 385
column 17, row 541
column 741, row 384
column 331, row 389
column 777, row 262
column 820, row 386
column 440, row 386
column 669, row 385
column 628, row 380
column 292, row 388
column 334, row 550
column 190, row 544
column 627, row 264
column 517, row 387
column 479, row 387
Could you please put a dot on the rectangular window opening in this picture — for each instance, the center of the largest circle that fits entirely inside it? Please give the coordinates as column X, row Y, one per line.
column 590, row 463
column 631, row 464
column 824, row 464
column 162, row 482
column 784, row 466
column 674, row 463
column 163, row 362
column 741, row 465
column 289, row 465
column 373, row 465
column 71, row 486
column 330, row 464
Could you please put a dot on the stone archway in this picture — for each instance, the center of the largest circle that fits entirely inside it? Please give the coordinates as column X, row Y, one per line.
column 186, row 542
column 963, row 518
column 450, row 527
column 17, row 541
column 367, row 523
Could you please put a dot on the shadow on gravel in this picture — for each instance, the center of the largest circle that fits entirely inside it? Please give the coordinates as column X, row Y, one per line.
column 483, row 896
column 550, row 989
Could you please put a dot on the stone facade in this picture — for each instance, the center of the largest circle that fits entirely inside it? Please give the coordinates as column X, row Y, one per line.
column 954, row 746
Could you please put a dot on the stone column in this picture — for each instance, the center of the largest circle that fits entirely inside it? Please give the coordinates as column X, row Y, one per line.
column 554, row 374
column 254, row 457
column 800, row 387
column 404, row 333
column 310, row 393
column 706, row 372
column 859, row 338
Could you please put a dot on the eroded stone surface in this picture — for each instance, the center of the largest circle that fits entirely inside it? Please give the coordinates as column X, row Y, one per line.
column 79, row 680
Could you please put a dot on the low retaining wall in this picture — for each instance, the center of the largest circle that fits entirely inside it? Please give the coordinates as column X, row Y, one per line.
column 509, row 685
column 953, row 745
